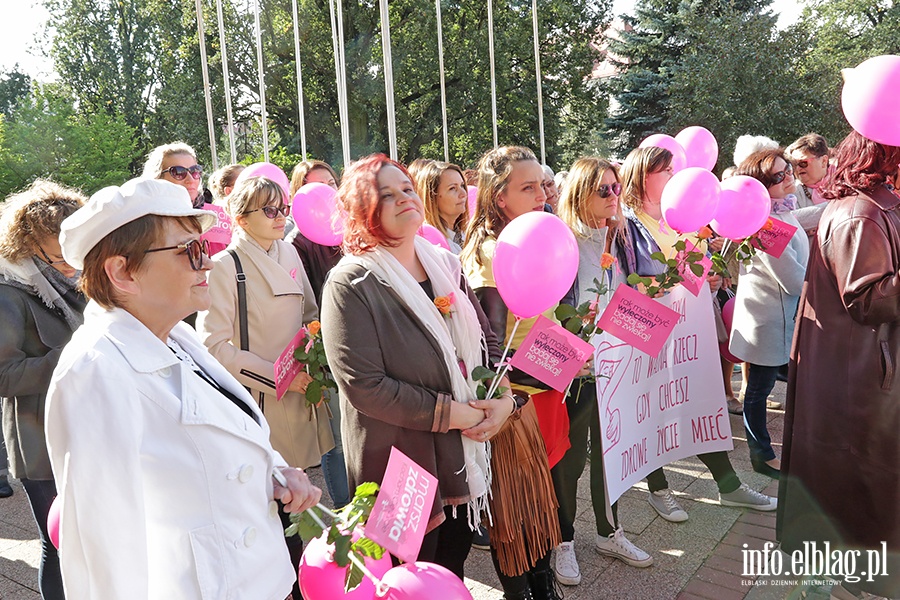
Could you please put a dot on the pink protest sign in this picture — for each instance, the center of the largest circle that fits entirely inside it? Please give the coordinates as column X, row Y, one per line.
column 691, row 281
column 220, row 233
column 287, row 367
column 773, row 241
column 551, row 354
column 402, row 507
column 638, row 320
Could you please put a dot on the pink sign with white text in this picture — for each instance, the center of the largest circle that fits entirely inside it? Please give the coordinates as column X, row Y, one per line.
column 402, row 507
column 551, row 354
column 692, row 282
column 638, row 320
column 220, row 233
column 773, row 241
column 287, row 367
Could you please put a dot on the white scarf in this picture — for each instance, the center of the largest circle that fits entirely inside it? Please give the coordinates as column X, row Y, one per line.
column 460, row 337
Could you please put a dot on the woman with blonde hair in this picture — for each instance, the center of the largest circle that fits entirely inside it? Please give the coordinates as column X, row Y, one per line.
column 442, row 188
column 176, row 163
column 590, row 207
column 41, row 308
column 509, row 185
column 221, row 182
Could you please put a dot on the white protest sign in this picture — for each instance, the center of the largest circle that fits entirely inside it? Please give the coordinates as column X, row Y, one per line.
column 658, row 409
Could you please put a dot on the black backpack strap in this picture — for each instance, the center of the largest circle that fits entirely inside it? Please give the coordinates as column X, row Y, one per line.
column 242, row 300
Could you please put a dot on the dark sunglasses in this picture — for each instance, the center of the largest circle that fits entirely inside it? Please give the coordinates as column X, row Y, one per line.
column 780, row 175
column 801, row 163
column 272, row 211
column 50, row 261
column 179, row 173
column 606, row 189
column 195, row 249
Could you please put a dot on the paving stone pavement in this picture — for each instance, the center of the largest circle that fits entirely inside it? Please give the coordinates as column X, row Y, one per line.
column 698, row 559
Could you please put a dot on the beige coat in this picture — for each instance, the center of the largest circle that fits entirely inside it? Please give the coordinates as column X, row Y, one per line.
column 279, row 301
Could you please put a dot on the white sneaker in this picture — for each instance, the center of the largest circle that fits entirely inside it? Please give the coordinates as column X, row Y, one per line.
column 565, row 565
column 745, row 497
column 619, row 546
column 667, row 506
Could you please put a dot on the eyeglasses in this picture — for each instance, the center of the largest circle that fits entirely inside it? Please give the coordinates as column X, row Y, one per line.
column 179, row 173
column 50, row 261
column 801, row 163
column 780, row 175
column 272, row 211
column 606, row 189
column 195, row 249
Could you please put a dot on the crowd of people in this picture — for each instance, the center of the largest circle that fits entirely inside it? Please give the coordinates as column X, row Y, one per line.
column 137, row 363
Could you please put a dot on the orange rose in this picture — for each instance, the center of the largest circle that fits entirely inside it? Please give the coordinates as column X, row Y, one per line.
column 769, row 225
column 443, row 304
column 607, row 261
column 705, row 233
column 314, row 327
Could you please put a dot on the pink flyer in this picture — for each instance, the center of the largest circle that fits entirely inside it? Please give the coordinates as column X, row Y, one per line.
column 287, row 367
column 638, row 320
column 775, row 240
column 551, row 354
column 220, row 233
column 692, row 282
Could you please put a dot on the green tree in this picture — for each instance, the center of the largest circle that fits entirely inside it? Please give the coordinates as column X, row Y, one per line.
column 14, row 86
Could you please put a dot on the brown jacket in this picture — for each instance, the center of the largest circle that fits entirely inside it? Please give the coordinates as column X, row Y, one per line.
column 395, row 389
column 841, row 464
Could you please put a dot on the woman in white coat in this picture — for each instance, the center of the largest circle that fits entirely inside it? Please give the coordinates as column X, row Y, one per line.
column 162, row 460
column 766, row 306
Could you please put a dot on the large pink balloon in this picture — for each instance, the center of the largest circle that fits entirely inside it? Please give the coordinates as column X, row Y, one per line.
column 535, row 263
column 321, row 579
column 744, row 206
column 423, row 581
column 690, row 199
column 269, row 171
column 700, row 146
column 433, row 235
column 472, row 200
column 53, row 522
column 661, row 140
column 871, row 99
column 728, row 317
column 315, row 212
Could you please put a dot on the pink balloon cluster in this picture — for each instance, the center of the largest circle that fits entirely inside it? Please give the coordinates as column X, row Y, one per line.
column 700, row 147
column 53, row 522
column 433, row 235
column 472, row 200
column 321, row 579
column 744, row 207
column 269, row 171
column 661, row 140
column 316, row 214
column 871, row 99
column 728, row 318
column 535, row 263
column 690, row 199
column 423, row 581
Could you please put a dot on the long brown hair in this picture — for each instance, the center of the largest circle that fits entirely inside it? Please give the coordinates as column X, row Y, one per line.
column 639, row 163
column 427, row 182
column 298, row 175
column 583, row 180
column 494, row 170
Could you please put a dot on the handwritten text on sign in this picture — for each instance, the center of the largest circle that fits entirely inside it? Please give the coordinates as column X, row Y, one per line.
column 638, row 320
column 402, row 507
column 287, row 367
column 655, row 409
column 551, row 354
column 773, row 241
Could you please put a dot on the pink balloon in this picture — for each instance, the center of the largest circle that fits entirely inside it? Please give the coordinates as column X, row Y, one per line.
column 744, row 207
column 661, row 140
column 314, row 209
column 728, row 317
column 269, row 171
column 473, row 200
column 321, row 579
column 433, row 235
column 424, row 581
column 690, row 199
column 871, row 97
column 700, row 146
column 53, row 522
column 535, row 263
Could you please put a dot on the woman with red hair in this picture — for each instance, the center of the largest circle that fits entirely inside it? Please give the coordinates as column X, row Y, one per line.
column 404, row 333
column 841, row 458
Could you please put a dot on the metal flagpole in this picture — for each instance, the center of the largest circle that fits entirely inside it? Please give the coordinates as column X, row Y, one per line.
column 440, row 34
column 228, row 115
column 337, row 37
column 262, row 84
column 537, row 74
column 388, row 78
column 493, row 77
column 207, row 93
column 299, row 80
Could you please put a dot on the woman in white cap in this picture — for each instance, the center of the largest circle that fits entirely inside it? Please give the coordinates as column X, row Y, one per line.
column 166, row 476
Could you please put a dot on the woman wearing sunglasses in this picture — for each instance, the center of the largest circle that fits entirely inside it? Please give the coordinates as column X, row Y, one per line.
column 40, row 309
column 766, row 304
column 176, row 163
column 165, row 471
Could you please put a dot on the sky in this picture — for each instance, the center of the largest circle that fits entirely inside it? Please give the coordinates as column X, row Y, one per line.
column 19, row 26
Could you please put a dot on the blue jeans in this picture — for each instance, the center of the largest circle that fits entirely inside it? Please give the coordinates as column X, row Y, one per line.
column 760, row 382
column 41, row 494
column 333, row 467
